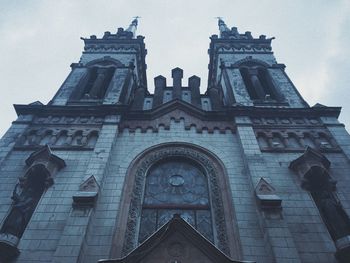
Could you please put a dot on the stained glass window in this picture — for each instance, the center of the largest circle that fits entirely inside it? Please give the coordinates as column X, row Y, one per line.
column 176, row 187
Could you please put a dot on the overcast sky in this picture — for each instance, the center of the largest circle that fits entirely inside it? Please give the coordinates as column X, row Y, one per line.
column 40, row 39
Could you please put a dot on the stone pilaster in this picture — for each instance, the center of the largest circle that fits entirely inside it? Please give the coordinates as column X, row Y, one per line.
column 277, row 236
column 71, row 243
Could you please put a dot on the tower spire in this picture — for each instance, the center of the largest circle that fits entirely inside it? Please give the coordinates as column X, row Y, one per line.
column 133, row 26
column 222, row 26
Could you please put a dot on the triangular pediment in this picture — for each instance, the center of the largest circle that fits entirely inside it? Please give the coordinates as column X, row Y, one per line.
column 264, row 188
column 176, row 241
column 176, row 110
column 266, row 195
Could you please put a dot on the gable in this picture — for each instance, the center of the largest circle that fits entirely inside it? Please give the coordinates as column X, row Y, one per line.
column 175, row 242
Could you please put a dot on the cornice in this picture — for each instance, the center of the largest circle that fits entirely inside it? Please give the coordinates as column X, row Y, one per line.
column 227, row 113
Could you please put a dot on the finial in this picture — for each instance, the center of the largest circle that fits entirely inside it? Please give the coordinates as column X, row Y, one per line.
column 222, row 26
column 133, row 26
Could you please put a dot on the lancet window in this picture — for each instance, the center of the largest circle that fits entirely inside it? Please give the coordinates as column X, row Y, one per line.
column 258, row 83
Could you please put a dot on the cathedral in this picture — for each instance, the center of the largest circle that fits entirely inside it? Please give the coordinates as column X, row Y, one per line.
column 109, row 172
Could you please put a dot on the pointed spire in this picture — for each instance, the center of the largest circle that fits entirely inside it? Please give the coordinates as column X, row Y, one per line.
column 222, row 26
column 133, row 26
column 225, row 32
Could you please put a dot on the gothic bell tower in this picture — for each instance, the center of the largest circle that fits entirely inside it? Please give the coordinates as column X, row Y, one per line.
column 109, row 71
column 109, row 172
column 244, row 71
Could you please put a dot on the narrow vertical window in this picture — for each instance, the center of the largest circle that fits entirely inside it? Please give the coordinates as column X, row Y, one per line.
column 258, row 83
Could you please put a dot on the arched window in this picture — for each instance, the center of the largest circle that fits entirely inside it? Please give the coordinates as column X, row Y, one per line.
column 258, row 82
column 262, row 140
column 175, row 179
column 309, row 140
column 176, row 186
column 98, row 81
column 293, row 141
column 277, row 140
column 94, row 84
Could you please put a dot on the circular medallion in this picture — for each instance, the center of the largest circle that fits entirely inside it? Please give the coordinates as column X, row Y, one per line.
column 176, row 249
column 176, row 180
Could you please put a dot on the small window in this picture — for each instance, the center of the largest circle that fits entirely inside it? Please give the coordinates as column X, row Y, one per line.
column 168, row 95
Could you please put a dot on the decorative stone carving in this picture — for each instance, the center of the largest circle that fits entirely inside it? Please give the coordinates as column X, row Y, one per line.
column 312, row 168
column 130, row 240
column 26, row 195
column 286, row 121
column 295, row 140
column 177, row 115
column 87, row 194
column 68, row 120
column 59, row 138
column 266, row 196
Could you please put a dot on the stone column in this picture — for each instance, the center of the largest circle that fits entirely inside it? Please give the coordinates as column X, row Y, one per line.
column 256, row 83
column 95, row 90
column 113, row 93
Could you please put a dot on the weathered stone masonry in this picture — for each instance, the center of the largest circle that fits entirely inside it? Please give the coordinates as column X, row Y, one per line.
column 73, row 172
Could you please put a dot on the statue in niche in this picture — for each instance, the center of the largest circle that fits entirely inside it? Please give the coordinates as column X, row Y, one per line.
column 24, row 203
column 336, row 219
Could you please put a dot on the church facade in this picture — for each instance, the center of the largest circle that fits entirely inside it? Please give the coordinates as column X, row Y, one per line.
column 107, row 171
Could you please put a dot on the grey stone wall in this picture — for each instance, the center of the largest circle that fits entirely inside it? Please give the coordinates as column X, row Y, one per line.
column 129, row 145
column 40, row 239
column 68, row 86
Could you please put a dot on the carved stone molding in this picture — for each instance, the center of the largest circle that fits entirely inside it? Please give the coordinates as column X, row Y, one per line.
column 43, row 158
column 26, row 195
column 177, row 115
column 286, row 121
column 310, row 164
column 266, row 196
column 244, row 48
column 130, row 240
column 69, row 120
column 81, row 138
column 87, row 194
column 313, row 167
column 295, row 140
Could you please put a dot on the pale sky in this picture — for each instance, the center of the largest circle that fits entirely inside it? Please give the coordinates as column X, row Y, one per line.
column 40, row 39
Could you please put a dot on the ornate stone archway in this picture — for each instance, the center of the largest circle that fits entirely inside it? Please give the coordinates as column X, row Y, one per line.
column 221, row 204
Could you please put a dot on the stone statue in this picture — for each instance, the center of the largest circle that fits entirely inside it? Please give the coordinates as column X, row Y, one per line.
column 337, row 221
column 22, row 210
